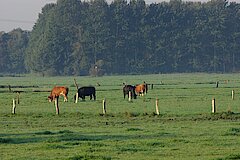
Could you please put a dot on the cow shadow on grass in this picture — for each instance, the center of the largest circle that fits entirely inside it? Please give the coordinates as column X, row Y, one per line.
column 69, row 136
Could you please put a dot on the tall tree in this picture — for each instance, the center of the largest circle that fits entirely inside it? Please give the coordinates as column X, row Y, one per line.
column 136, row 45
column 97, row 31
column 16, row 47
column 38, row 58
column 4, row 54
column 119, row 31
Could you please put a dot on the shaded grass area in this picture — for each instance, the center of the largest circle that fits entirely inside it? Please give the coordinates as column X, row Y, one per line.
column 124, row 137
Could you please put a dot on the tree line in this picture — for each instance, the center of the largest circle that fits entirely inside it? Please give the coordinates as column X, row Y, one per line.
column 12, row 51
column 74, row 37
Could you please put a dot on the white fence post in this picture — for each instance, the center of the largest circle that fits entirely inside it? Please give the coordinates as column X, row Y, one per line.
column 157, row 109
column 213, row 105
column 104, row 106
column 13, row 106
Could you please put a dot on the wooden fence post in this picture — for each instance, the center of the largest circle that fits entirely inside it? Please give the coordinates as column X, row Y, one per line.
column 213, row 105
column 232, row 94
column 13, row 106
column 104, row 106
column 18, row 97
column 56, row 105
column 76, row 100
column 9, row 88
column 152, row 86
column 75, row 82
column 157, row 109
column 129, row 96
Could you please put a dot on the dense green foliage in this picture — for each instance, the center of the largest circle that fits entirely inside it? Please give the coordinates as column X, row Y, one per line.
column 185, row 129
column 77, row 37
column 12, row 51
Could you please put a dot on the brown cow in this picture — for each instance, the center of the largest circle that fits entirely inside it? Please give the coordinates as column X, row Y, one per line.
column 140, row 89
column 57, row 91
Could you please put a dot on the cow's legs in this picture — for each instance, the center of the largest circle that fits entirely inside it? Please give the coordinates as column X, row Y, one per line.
column 65, row 98
column 53, row 99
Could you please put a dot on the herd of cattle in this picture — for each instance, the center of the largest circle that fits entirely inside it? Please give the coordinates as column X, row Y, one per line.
column 130, row 90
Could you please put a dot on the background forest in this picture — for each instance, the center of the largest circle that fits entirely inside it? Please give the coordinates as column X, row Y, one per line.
column 74, row 37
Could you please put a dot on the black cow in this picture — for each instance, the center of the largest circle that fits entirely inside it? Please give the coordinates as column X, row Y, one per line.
column 131, row 89
column 86, row 91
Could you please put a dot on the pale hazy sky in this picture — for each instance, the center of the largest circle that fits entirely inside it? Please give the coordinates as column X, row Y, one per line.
column 24, row 13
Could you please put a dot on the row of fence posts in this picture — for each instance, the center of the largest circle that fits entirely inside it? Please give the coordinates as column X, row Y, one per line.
column 104, row 103
column 105, row 109
column 214, row 102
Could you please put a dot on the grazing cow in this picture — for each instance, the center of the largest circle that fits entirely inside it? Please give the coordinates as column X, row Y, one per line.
column 86, row 91
column 140, row 89
column 127, row 89
column 57, row 91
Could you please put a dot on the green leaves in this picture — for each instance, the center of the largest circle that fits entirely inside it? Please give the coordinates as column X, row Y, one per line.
column 71, row 37
column 12, row 51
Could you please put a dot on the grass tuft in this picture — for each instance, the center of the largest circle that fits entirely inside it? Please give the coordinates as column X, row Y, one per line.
column 85, row 157
column 131, row 114
column 56, row 146
column 234, row 132
column 44, row 133
column 5, row 140
column 231, row 157
column 65, row 131
column 158, row 144
column 134, row 129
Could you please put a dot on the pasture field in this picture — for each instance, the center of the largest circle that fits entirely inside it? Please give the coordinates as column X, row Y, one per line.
column 185, row 128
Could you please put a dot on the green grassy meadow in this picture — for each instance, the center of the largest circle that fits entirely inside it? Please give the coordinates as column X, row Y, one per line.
column 185, row 128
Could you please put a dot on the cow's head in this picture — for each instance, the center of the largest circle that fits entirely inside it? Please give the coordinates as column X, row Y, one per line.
column 50, row 98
